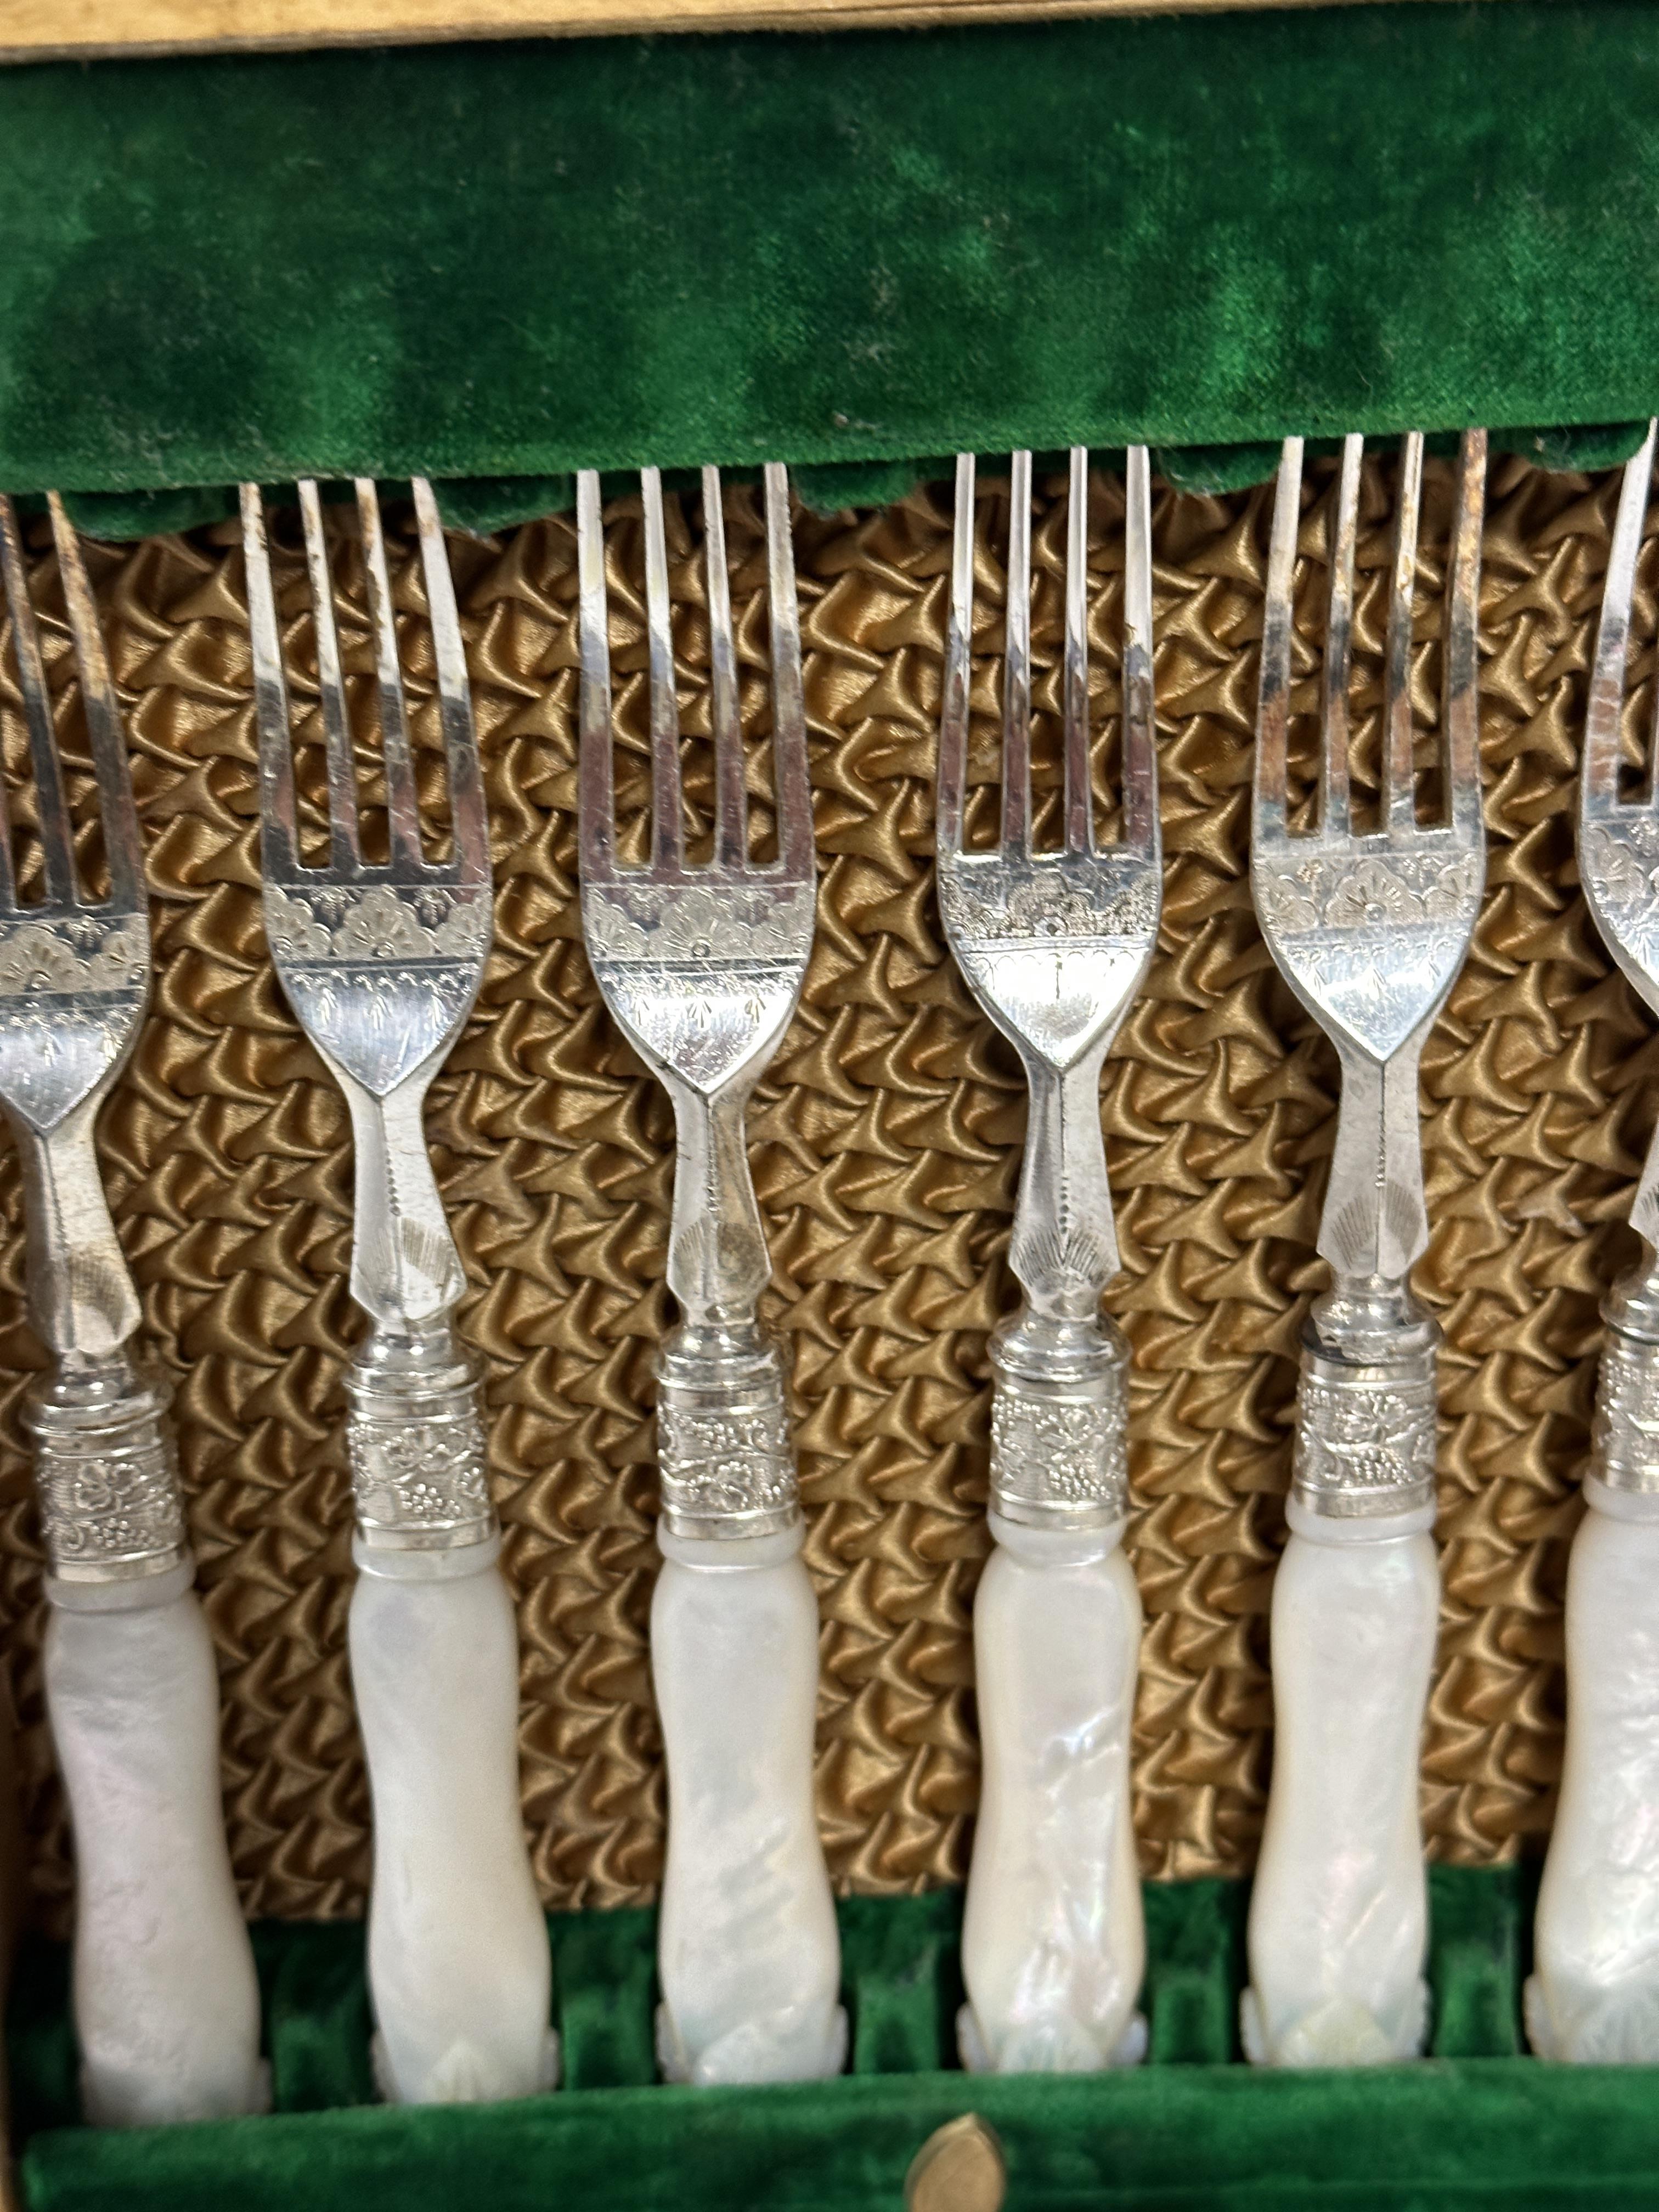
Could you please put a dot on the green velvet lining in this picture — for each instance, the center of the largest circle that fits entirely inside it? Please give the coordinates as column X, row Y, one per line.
column 499, row 262
column 1472, row 2127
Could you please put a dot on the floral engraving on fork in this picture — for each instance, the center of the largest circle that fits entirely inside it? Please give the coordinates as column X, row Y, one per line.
column 377, row 922
column 108, row 1481
column 724, row 1459
column 1322, row 892
column 694, row 923
column 1048, row 1451
column 413, row 1474
column 1625, row 1433
column 84, row 952
column 1361, row 1445
column 981, row 916
column 1623, row 868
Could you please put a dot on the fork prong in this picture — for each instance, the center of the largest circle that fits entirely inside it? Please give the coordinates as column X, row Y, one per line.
column 1269, row 827
column 1079, row 804
column 958, row 646
column 344, row 836
column 123, row 849
column 668, row 830
column 790, row 768
column 1335, row 811
column 279, row 846
column 1460, row 714
column 596, row 813
column 1599, row 775
column 1017, row 664
column 8, row 885
column 403, row 810
column 469, row 812
column 1141, row 823
column 731, row 810
column 1399, row 781
column 52, row 806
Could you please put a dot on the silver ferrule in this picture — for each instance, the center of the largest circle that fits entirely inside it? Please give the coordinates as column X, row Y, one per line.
column 415, row 1433
column 1365, row 1431
column 1624, row 1433
column 723, row 1445
column 1059, row 1422
column 107, row 1471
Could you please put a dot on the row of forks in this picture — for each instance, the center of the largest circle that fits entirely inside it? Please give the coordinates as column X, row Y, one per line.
column 702, row 968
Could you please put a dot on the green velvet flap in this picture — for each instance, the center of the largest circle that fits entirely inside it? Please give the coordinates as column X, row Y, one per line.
column 1473, row 2127
column 501, row 262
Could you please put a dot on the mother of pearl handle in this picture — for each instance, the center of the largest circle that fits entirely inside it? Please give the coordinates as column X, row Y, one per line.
column 748, row 1949
column 1338, row 1914
column 1594, row 1995
column 1054, row 1947
column 460, row 1970
column 167, row 2007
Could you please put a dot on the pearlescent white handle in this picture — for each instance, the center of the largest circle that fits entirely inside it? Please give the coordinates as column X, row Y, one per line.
column 1594, row 1996
column 167, row 2006
column 1054, row 1946
column 748, row 1953
column 458, row 1966
column 1338, row 1913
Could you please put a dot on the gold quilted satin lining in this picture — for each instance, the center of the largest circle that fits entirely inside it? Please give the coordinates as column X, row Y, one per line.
column 886, row 1147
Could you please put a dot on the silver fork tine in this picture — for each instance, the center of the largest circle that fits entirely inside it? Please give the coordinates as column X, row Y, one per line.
column 57, row 841
column 468, row 812
column 668, row 830
column 279, row 844
column 1017, row 665
column 1270, row 830
column 1459, row 718
column 402, row 807
column 596, row 826
column 8, row 887
column 123, row 845
column 1141, row 823
column 1079, row 806
column 1335, row 811
column 1398, row 783
column 330, row 687
column 794, row 783
column 958, row 646
column 730, row 815
column 1600, row 795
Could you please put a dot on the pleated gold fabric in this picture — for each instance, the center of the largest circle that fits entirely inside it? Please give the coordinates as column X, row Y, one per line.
column 886, row 1143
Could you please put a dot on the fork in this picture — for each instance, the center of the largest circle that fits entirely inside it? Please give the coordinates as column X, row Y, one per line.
column 381, row 963
column 1053, row 946
column 701, row 968
column 1594, row 1996
column 1370, row 931
column 166, row 2003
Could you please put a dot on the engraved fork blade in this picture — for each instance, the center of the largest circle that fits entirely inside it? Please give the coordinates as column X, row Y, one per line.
column 1370, row 931
column 701, row 968
column 381, row 963
column 1053, row 946
column 74, row 983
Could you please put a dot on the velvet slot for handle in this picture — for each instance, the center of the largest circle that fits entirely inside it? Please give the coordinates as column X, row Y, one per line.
column 1473, row 2125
